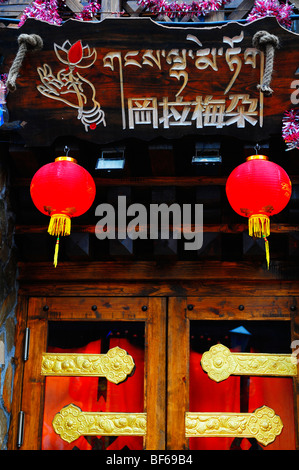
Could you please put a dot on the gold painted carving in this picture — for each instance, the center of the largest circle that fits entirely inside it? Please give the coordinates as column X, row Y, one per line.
column 264, row 425
column 71, row 423
column 116, row 365
column 219, row 363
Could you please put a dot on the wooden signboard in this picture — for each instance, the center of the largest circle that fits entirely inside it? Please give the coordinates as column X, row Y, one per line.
column 133, row 78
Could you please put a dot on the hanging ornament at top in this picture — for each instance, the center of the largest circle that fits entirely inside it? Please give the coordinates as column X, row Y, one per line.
column 175, row 9
column 282, row 11
column 290, row 129
column 62, row 190
column 258, row 189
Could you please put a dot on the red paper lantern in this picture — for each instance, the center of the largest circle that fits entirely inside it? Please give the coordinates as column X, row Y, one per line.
column 62, row 190
column 258, row 189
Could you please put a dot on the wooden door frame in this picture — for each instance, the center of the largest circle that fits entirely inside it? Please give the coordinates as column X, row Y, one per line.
column 176, row 281
column 151, row 311
column 182, row 310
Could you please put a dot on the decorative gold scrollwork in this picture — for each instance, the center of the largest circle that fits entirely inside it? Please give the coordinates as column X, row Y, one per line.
column 116, row 365
column 71, row 423
column 219, row 363
column 264, row 425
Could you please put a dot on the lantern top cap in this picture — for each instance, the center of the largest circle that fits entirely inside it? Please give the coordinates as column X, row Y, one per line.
column 65, row 159
column 257, row 157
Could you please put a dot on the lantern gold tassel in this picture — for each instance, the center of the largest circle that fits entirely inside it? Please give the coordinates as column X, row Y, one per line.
column 60, row 224
column 56, row 252
column 259, row 226
column 267, row 252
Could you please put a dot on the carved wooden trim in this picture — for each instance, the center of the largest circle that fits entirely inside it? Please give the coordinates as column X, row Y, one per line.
column 116, row 365
column 219, row 363
column 264, row 425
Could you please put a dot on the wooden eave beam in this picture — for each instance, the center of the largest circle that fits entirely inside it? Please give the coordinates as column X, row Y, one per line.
column 210, row 228
column 144, row 181
column 155, row 271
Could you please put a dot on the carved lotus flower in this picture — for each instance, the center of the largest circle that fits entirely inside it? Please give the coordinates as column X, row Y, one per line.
column 73, row 54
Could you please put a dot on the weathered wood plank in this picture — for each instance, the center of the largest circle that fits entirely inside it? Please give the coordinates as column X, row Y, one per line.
column 150, row 270
column 143, row 95
column 178, row 374
column 33, row 382
column 295, row 344
column 159, row 288
column 88, row 308
column 210, row 228
column 241, row 308
column 21, row 315
column 155, row 383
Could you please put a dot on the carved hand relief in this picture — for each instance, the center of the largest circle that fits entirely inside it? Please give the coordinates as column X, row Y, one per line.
column 264, row 425
column 116, row 365
column 219, row 363
column 69, row 85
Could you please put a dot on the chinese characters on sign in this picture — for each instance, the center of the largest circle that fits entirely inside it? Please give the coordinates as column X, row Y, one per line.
column 178, row 101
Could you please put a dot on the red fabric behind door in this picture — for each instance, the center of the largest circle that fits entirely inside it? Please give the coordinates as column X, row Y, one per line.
column 207, row 395
column 61, row 391
column 83, row 391
column 276, row 393
column 129, row 395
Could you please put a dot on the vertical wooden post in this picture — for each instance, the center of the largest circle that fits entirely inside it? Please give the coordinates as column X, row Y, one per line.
column 295, row 339
column 155, row 360
column 34, row 383
column 109, row 8
column 178, row 373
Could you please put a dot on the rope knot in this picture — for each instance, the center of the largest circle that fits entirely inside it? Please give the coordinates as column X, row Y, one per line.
column 32, row 40
column 267, row 43
column 25, row 41
column 261, row 39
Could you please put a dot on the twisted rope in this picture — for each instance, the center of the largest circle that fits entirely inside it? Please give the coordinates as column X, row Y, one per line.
column 267, row 43
column 25, row 41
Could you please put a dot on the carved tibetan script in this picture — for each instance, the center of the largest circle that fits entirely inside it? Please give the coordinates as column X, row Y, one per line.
column 134, row 78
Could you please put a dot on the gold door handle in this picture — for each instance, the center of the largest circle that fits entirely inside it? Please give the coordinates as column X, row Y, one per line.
column 219, row 363
column 71, row 423
column 116, row 365
column 264, row 425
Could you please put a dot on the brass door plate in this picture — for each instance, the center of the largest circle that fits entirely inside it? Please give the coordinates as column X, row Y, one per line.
column 116, row 365
column 71, row 423
column 219, row 363
column 263, row 424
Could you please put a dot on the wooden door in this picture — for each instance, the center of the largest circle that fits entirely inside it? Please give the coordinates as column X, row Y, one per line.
column 72, row 314
column 177, row 330
column 195, row 324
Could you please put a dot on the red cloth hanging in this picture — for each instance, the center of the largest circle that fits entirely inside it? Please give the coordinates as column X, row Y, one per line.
column 276, row 393
column 61, row 391
column 207, row 395
column 83, row 391
column 129, row 395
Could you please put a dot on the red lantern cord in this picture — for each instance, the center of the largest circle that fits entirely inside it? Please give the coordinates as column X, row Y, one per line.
column 62, row 190
column 258, row 189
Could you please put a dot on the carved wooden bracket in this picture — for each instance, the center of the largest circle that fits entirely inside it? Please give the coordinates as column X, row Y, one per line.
column 116, row 365
column 219, row 363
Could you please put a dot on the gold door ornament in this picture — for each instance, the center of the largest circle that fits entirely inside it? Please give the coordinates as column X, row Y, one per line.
column 71, row 423
column 116, row 365
column 219, row 363
column 264, row 425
